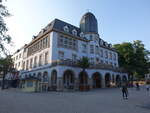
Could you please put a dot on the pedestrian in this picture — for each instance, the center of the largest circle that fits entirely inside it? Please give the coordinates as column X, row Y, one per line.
column 137, row 86
column 147, row 87
column 124, row 91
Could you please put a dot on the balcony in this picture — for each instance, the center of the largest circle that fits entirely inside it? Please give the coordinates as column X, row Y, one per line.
column 69, row 62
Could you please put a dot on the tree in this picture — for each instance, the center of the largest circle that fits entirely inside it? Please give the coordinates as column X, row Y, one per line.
column 84, row 64
column 4, row 37
column 133, row 57
column 125, row 56
column 6, row 65
column 141, row 59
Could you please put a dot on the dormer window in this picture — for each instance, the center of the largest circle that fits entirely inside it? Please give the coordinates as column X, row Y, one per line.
column 66, row 29
column 101, row 43
column 106, row 44
column 82, row 34
column 110, row 45
column 74, row 32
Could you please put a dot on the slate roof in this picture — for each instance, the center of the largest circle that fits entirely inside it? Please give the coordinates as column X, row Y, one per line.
column 88, row 23
column 59, row 25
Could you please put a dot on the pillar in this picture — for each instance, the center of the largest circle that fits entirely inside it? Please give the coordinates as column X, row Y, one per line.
column 90, row 83
column 103, row 81
column 60, row 84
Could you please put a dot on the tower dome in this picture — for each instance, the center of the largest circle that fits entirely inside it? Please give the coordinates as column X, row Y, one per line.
column 88, row 23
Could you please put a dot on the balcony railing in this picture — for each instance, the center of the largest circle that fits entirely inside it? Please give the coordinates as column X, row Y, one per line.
column 69, row 62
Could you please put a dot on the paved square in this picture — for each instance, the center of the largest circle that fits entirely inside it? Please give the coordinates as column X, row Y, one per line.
column 94, row 101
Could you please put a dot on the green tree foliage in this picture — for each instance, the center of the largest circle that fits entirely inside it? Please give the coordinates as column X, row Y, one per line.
column 6, row 62
column 133, row 57
column 84, row 63
column 6, row 65
column 4, row 37
column 141, row 59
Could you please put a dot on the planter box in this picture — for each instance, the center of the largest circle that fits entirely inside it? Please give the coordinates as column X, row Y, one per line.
column 84, row 88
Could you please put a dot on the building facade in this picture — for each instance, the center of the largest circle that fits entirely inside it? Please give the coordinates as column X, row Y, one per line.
column 53, row 54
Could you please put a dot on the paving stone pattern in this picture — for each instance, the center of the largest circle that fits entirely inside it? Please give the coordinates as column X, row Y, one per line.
column 94, row 101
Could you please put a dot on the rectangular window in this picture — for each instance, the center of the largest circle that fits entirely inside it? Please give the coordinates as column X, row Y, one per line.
column 74, row 57
column 18, row 64
column 46, row 39
column 114, row 56
column 102, row 61
column 96, row 50
column 40, row 60
column 35, row 61
column 97, row 60
column 106, row 54
column 19, row 55
column 101, row 53
column 84, row 48
column 46, row 58
column 44, row 43
column 23, row 66
column 27, row 64
column 65, row 42
column 61, row 55
column 60, row 41
column 110, row 55
column 92, row 60
column 38, row 46
column 16, row 57
column 70, row 43
column 41, row 44
column 75, row 44
column 29, row 84
column 106, row 62
column 31, row 63
column 91, row 49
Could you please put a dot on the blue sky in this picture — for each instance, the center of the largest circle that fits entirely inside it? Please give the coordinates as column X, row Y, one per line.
column 118, row 20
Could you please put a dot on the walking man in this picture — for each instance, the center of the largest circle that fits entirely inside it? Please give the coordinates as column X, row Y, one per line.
column 124, row 92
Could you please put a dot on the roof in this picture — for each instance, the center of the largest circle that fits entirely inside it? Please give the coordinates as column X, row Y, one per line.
column 58, row 25
column 88, row 23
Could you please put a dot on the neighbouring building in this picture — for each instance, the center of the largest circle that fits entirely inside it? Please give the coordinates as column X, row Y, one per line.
column 52, row 57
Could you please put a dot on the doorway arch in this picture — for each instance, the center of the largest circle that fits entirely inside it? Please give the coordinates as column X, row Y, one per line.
column 107, row 80
column 96, row 77
column 118, row 81
column 68, row 79
column 54, row 80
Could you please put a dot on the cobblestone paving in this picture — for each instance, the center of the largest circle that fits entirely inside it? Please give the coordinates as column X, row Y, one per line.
column 94, row 101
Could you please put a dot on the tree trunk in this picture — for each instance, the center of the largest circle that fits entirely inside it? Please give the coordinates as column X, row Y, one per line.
column 3, row 80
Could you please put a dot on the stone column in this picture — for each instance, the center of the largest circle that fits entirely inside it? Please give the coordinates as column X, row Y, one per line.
column 90, row 83
column 76, row 84
column 60, row 84
column 103, row 81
